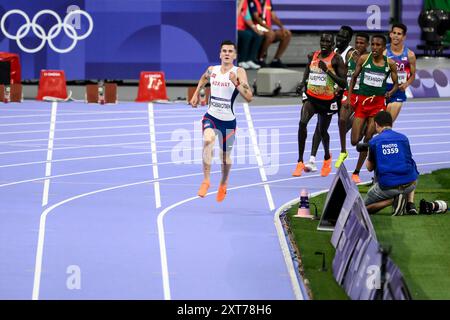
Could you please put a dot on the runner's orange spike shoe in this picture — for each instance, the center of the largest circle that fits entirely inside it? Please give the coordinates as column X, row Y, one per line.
column 326, row 168
column 221, row 193
column 203, row 188
column 299, row 169
column 355, row 178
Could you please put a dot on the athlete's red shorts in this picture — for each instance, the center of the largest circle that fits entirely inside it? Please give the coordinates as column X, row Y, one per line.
column 353, row 100
column 369, row 106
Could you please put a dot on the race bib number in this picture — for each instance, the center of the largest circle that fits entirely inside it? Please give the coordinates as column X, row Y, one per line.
column 317, row 79
column 402, row 77
column 334, row 106
column 220, row 106
column 374, row 79
column 349, row 80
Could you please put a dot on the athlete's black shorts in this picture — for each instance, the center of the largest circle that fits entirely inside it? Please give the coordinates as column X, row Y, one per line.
column 325, row 107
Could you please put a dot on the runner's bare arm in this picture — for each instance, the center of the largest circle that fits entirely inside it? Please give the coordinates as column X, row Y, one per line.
column 355, row 74
column 201, row 83
column 412, row 77
column 394, row 76
column 305, row 75
column 340, row 77
column 241, row 83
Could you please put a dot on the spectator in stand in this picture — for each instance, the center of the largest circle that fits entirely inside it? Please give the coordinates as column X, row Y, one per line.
column 249, row 38
column 265, row 17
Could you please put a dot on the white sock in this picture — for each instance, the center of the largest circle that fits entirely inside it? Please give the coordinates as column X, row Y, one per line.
column 312, row 159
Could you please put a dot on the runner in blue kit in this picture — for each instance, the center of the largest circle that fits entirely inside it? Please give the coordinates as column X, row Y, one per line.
column 405, row 60
column 227, row 82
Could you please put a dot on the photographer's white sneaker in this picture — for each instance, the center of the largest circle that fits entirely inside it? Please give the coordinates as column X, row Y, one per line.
column 253, row 65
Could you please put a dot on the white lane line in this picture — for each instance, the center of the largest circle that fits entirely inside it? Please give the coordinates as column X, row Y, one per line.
column 190, row 175
column 258, row 156
column 79, row 137
column 77, row 129
column 196, row 160
column 163, row 252
column 72, row 121
column 409, row 113
column 193, row 130
column 192, row 140
column 145, row 142
column 48, row 165
column 63, row 114
column 296, row 286
column 190, row 115
column 151, row 123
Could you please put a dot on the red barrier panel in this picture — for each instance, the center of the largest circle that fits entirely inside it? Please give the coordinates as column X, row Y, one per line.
column 52, row 84
column 152, row 86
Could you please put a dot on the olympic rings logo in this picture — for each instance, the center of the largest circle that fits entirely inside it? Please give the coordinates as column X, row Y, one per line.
column 54, row 31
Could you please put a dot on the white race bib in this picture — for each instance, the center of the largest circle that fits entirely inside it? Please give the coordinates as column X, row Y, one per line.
column 318, row 79
column 349, row 80
column 374, row 79
column 334, row 106
column 402, row 77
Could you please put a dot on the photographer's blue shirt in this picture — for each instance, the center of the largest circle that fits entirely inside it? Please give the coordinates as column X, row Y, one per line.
column 391, row 153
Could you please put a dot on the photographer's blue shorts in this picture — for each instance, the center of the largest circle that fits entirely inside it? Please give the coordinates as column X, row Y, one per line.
column 225, row 129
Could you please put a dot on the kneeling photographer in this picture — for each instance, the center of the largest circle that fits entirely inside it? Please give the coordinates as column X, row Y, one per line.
column 395, row 170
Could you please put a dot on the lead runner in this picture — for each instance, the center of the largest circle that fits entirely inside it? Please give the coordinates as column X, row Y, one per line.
column 227, row 81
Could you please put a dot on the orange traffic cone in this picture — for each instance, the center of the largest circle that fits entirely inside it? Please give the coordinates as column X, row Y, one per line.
column 303, row 206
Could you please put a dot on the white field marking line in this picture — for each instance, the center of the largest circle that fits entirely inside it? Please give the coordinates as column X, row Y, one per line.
column 270, row 127
column 72, row 121
column 48, row 165
column 298, row 292
column 398, row 121
column 100, row 114
column 182, row 176
column 81, row 147
column 151, row 124
column 80, row 137
column 417, row 104
column 254, row 142
column 164, row 264
column 77, row 129
column 406, row 113
column 174, row 123
column 62, row 114
column 409, row 104
column 43, row 219
column 186, row 123
column 171, row 140
column 193, row 149
column 170, row 150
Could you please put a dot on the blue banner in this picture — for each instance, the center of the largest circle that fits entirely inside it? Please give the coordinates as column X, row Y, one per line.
column 116, row 39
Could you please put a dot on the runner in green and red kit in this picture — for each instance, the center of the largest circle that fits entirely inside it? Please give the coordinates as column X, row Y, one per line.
column 373, row 69
column 346, row 115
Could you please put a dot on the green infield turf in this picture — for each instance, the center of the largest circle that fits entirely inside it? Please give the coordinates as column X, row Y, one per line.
column 420, row 244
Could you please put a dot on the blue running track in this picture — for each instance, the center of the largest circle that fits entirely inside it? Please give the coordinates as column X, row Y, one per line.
column 108, row 193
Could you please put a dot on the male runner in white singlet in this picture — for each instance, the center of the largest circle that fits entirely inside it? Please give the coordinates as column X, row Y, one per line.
column 227, row 81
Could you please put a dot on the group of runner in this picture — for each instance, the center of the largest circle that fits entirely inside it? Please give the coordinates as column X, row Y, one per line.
column 352, row 82
column 376, row 80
